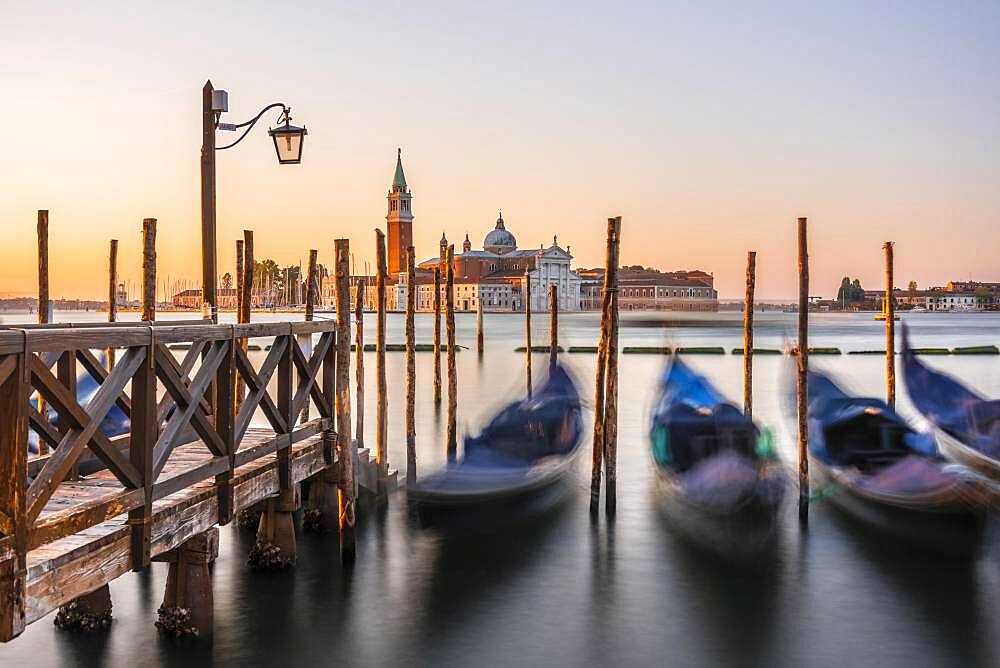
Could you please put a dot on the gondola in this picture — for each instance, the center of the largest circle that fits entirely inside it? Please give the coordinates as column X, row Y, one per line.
column 718, row 479
column 967, row 425
column 873, row 466
column 520, row 464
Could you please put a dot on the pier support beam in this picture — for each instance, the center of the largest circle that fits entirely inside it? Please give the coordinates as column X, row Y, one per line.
column 275, row 546
column 90, row 612
column 187, row 602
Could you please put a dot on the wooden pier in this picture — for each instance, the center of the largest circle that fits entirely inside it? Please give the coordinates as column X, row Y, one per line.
column 191, row 461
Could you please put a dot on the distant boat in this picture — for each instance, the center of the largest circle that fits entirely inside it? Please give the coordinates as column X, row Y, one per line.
column 885, row 309
column 877, row 469
column 967, row 425
column 719, row 482
column 519, row 464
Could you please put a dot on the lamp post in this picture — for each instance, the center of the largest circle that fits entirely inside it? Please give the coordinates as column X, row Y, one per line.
column 288, row 141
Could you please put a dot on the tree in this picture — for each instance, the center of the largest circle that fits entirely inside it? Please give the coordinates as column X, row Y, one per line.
column 227, row 281
column 912, row 288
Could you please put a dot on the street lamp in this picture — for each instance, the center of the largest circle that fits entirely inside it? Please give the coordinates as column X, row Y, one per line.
column 288, row 140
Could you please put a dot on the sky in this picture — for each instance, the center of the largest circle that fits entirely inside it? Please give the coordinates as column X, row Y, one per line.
column 708, row 126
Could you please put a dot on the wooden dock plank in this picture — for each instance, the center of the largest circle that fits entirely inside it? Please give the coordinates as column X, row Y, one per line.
column 76, row 564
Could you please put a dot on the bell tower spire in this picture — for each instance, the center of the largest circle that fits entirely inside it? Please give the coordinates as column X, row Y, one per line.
column 399, row 218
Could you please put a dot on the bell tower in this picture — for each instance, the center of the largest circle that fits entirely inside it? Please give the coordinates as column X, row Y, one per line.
column 399, row 219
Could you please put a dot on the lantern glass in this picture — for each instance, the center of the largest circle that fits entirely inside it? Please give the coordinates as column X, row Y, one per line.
column 288, row 143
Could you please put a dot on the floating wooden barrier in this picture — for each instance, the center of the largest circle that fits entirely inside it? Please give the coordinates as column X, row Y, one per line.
column 866, row 352
column 758, row 351
column 647, row 350
column 976, row 350
column 703, row 350
column 537, row 349
column 582, row 349
column 824, row 351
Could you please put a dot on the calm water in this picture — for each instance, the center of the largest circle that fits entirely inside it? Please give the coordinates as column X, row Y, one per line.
column 564, row 591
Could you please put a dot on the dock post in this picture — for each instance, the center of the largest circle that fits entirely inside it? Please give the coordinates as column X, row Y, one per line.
column 611, row 394
column 187, row 608
column 527, row 331
column 437, row 335
column 44, row 305
column 479, row 324
column 890, row 330
column 411, row 368
column 553, row 325
column 359, row 361
column 382, row 415
column 90, row 612
column 209, row 297
column 748, row 335
column 15, row 390
column 802, row 379
column 112, row 294
column 342, row 405
column 607, row 303
column 452, row 445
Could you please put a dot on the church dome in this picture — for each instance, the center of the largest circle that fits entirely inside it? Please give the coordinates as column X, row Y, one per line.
column 499, row 240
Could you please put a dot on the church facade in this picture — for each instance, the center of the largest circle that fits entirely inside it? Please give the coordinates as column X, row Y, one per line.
column 500, row 275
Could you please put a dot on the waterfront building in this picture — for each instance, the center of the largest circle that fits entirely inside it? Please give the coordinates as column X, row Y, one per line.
column 193, row 299
column 642, row 289
column 503, row 276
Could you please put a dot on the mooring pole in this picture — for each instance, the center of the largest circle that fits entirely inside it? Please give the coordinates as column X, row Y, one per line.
column 611, row 392
column 802, row 381
column 382, row 416
column 890, row 330
column 553, row 325
column 149, row 269
column 44, row 305
column 240, row 315
column 411, row 368
column 112, row 294
column 452, row 446
column 359, row 360
column 437, row 334
column 748, row 335
column 248, row 274
column 527, row 331
column 43, row 267
column 311, row 291
column 610, row 282
column 479, row 324
column 209, row 297
column 345, row 450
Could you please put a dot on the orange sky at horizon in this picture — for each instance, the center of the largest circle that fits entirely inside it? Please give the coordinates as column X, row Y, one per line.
column 709, row 138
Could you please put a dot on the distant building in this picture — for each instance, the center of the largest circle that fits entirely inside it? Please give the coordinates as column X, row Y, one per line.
column 501, row 276
column 642, row 289
column 192, row 298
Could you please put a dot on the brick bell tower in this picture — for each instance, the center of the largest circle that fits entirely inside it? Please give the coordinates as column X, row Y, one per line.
column 399, row 219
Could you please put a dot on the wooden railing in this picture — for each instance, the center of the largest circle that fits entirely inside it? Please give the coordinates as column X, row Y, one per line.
column 199, row 402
